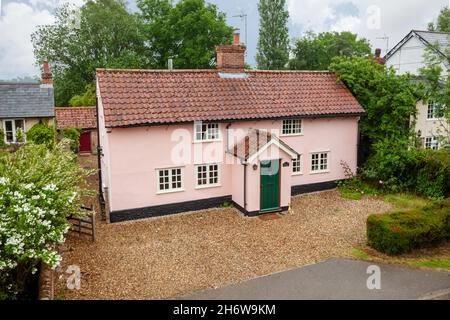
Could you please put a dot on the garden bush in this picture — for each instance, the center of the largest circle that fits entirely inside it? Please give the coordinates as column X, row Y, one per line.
column 433, row 174
column 2, row 138
column 39, row 188
column 73, row 134
column 42, row 133
column 402, row 231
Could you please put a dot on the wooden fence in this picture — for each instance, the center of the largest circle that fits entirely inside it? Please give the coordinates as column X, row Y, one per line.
column 84, row 226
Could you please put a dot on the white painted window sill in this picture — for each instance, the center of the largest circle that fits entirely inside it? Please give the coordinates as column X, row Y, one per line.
column 319, row 172
column 206, row 141
column 292, row 135
column 170, row 191
column 211, row 186
column 297, row 174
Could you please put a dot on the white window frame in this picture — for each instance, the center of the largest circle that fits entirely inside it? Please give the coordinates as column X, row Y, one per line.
column 320, row 159
column 294, row 127
column 14, row 132
column 171, row 176
column 208, row 176
column 431, row 143
column 300, row 162
column 207, row 135
column 433, row 109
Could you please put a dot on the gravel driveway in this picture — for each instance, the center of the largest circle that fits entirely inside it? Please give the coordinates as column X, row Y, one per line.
column 173, row 256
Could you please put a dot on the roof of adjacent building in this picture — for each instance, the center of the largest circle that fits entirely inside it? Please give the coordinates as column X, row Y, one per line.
column 76, row 117
column 439, row 41
column 26, row 100
column 143, row 97
column 254, row 142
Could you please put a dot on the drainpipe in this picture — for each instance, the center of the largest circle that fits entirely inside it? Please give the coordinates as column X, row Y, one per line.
column 228, row 136
column 245, row 185
column 99, row 156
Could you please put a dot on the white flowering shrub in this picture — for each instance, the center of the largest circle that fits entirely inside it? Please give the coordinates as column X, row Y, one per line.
column 39, row 188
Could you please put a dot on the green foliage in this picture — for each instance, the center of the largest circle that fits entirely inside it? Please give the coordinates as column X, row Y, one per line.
column 403, row 231
column 389, row 101
column 39, row 188
column 406, row 201
column 88, row 98
column 273, row 43
column 316, row 51
column 102, row 34
column 433, row 264
column 187, row 32
column 443, row 21
column 2, row 138
column 20, row 135
column 433, row 173
column 72, row 134
column 226, row 204
column 42, row 133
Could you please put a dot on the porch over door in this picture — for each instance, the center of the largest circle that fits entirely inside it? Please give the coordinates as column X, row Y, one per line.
column 270, row 185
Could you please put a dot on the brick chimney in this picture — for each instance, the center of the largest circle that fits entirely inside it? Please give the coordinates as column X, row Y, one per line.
column 46, row 77
column 231, row 58
column 378, row 57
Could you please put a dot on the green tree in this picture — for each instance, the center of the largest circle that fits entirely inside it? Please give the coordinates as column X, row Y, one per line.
column 101, row 34
column 389, row 101
column 443, row 21
column 273, row 43
column 316, row 51
column 88, row 98
column 187, row 32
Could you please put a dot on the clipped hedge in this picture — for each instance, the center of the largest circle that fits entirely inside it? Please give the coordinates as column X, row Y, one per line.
column 402, row 231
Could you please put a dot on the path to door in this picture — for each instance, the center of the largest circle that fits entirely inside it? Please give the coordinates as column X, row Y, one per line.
column 335, row 279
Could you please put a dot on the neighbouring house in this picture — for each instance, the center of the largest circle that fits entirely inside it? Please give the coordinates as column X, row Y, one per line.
column 83, row 118
column 22, row 105
column 174, row 141
column 409, row 56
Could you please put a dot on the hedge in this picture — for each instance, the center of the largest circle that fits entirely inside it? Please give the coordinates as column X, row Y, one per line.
column 402, row 231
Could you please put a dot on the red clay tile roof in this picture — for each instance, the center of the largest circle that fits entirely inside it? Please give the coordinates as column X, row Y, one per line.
column 76, row 117
column 140, row 97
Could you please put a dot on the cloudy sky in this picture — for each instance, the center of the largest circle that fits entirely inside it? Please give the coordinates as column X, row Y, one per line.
column 373, row 19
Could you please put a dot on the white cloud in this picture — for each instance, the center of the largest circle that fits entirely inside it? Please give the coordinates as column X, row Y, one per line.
column 16, row 52
column 18, row 20
column 396, row 18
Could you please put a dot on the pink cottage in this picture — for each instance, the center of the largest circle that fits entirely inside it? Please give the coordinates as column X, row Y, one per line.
column 173, row 141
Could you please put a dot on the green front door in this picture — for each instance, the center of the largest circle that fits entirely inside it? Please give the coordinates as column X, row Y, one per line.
column 270, row 185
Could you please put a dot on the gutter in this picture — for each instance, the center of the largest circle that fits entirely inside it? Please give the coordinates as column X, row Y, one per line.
column 99, row 157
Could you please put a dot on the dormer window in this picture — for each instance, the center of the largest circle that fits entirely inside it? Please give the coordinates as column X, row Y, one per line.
column 207, row 131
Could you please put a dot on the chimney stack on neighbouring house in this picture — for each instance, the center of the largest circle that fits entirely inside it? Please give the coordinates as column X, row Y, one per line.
column 378, row 53
column 378, row 57
column 47, row 77
column 231, row 58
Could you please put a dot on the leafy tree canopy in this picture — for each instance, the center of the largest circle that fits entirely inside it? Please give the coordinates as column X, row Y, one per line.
column 101, row 34
column 273, row 43
column 88, row 98
column 316, row 51
column 187, row 32
column 443, row 21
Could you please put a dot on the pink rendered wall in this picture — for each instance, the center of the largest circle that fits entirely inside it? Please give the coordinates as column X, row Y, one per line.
column 135, row 154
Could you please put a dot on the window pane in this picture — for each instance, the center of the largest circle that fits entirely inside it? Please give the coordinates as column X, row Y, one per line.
column 19, row 124
column 8, row 126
